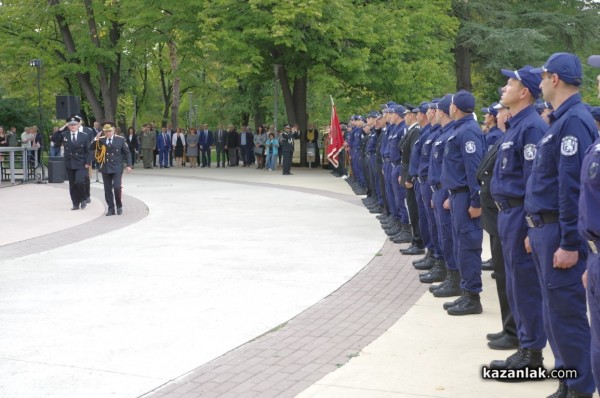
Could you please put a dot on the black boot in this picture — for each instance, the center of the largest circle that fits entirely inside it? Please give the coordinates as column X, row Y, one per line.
column 426, row 264
column 435, row 274
column 561, row 392
column 405, row 235
column 523, row 358
column 449, row 304
column 470, row 305
column 452, row 287
column 574, row 394
column 428, row 255
column 413, row 250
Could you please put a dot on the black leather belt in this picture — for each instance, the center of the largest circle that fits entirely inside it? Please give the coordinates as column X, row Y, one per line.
column 436, row 187
column 594, row 246
column 541, row 219
column 509, row 204
column 459, row 190
column 422, row 180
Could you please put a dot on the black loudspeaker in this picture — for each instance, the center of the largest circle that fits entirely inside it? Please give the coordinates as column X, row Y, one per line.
column 56, row 170
column 67, row 105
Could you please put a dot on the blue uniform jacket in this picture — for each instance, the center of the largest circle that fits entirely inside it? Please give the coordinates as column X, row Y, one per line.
column 491, row 137
column 384, row 143
column 415, row 154
column 393, row 140
column 432, row 135
column 589, row 199
column 437, row 154
column 372, row 142
column 462, row 156
column 516, row 154
column 553, row 186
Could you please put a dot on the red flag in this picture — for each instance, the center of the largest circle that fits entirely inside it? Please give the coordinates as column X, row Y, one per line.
column 336, row 139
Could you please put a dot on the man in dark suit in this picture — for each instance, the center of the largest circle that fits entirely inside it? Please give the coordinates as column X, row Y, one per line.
column 246, row 146
column 111, row 152
column 205, row 141
column 287, row 148
column 132, row 143
column 163, row 144
column 220, row 144
column 231, row 145
column 77, row 160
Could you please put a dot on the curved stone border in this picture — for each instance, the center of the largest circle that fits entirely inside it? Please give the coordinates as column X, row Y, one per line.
column 133, row 211
column 291, row 357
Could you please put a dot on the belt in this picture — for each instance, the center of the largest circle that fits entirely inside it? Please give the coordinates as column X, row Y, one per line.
column 422, row 180
column 459, row 190
column 436, row 187
column 540, row 219
column 594, row 246
column 509, row 204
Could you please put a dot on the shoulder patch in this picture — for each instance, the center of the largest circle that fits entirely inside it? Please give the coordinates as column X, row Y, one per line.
column 506, row 145
column 593, row 170
column 546, row 139
column 470, row 147
column 529, row 151
column 568, row 146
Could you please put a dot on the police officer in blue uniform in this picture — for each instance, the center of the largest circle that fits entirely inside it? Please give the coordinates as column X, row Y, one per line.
column 78, row 159
column 445, row 269
column 384, row 161
column 428, row 133
column 462, row 156
column 376, row 203
column 494, row 133
column 512, row 168
column 552, row 207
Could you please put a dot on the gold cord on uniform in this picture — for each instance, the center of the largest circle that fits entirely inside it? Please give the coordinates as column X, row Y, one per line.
column 100, row 152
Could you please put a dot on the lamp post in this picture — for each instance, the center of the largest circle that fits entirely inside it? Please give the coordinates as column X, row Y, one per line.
column 37, row 63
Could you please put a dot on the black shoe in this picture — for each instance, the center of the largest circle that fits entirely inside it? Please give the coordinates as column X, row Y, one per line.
column 119, row 210
column 413, row 250
column 428, row 255
column 403, row 237
column 88, row 200
column 433, row 288
column 83, row 205
column 561, row 392
column 469, row 306
column 452, row 286
column 110, row 212
column 495, row 336
column 425, row 265
column 75, row 207
column 376, row 210
column 574, row 394
column 449, row 304
column 487, row 265
column 382, row 216
column 436, row 274
column 493, row 275
column 505, row 342
column 523, row 358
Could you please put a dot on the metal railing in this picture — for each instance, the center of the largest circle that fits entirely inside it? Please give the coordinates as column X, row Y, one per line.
column 29, row 164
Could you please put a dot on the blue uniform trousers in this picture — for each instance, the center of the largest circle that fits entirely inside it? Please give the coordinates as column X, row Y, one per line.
column 468, row 236
column 373, row 169
column 391, row 200
column 522, row 281
column 564, row 307
column 423, row 225
column 399, row 193
column 593, row 266
column 426, row 198
column 357, row 168
column 443, row 220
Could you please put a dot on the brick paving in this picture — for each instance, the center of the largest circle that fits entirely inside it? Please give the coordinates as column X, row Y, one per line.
column 298, row 353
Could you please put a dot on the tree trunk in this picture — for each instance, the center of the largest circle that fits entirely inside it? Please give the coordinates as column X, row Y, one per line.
column 176, row 84
column 462, row 61
column 288, row 97
column 300, row 86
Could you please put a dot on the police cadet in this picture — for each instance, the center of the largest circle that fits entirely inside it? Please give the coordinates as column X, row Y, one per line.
column 507, row 338
column 462, row 156
column 287, row 147
column 595, row 111
column 444, row 269
column 407, row 180
column 490, row 121
column 551, row 204
column 354, row 142
column 148, row 139
column 589, row 228
column 376, row 203
column 77, row 160
column 111, row 151
column 367, row 129
column 512, row 168
column 383, row 155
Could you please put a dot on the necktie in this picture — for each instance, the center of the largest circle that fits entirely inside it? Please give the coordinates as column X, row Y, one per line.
column 109, row 141
column 165, row 139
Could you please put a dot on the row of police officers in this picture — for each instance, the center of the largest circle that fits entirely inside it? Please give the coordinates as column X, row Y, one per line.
column 434, row 178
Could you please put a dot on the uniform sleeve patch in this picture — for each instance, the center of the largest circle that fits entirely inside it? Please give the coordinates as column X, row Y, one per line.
column 529, row 151
column 568, row 146
column 470, row 147
column 593, row 170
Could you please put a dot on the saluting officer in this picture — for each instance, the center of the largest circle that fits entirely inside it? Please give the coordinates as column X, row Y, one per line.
column 512, row 168
column 148, row 138
column 287, row 147
column 77, row 160
column 111, row 153
column 551, row 204
column 462, row 156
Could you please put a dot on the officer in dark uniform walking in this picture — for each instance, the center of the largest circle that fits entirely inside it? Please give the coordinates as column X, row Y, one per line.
column 287, row 148
column 462, row 156
column 552, row 208
column 111, row 152
column 78, row 159
column 512, row 168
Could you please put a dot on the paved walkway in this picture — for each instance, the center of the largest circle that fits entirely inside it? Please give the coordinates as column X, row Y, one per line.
column 229, row 282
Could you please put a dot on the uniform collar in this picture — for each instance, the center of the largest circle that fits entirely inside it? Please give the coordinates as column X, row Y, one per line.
column 516, row 119
column 465, row 119
column 564, row 107
column 450, row 125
